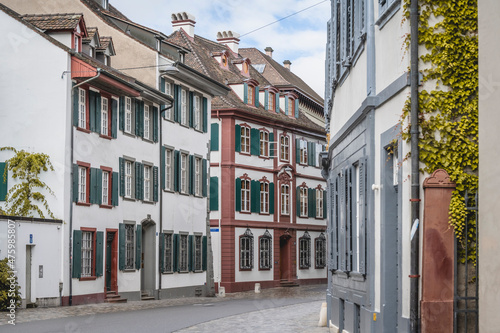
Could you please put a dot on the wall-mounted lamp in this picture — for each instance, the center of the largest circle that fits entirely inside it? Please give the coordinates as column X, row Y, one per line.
column 375, row 187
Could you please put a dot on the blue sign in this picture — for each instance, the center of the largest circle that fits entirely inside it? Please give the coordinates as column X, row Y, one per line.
column 214, row 229
column 31, row 238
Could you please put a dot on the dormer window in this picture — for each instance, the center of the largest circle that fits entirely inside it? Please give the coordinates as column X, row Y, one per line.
column 292, row 105
column 245, row 68
column 251, row 93
column 77, row 43
column 91, row 51
column 224, row 60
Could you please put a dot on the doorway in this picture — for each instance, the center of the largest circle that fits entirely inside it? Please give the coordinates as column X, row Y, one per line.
column 111, row 260
column 148, row 256
column 29, row 255
column 285, row 257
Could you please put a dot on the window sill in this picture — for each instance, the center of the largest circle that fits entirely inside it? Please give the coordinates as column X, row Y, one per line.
column 106, row 206
column 88, row 278
column 319, row 267
column 86, row 204
column 183, row 272
column 168, row 190
column 105, row 136
column 388, row 14
column 242, row 212
column 129, row 270
column 129, row 199
column 304, row 268
column 129, row 134
column 245, row 269
column 265, row 214
column 245, row 153
column 84, row 130
column 167, row 273
column 148, row 202
column 147, row 140
column 265, row 269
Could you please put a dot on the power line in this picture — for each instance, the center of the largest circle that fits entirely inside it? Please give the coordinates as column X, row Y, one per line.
column 281, row 19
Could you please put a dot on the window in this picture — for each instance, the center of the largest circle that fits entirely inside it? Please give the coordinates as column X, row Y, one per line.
column 245, row 139
column 250, row 95
column 305, row 251
column 197, row 176
column 128, row 115
column 147, row 183
column 245, row 195
column 83, row 179
column 82, row 108
column 265, row 251
column 183, row 253
column 147, row 123
column 264, row 198
column 128, row 178
column 105, row 188
column 168, row 170
column 246, row 250
column 87, row 253
column 271, row 100
column 264, row 143
column 197, row 253
column 290, row 110
column 303, row 201
column 303, row 152
column 129, row 246
column 320, row 249
column 167, row 253
column 104, row 116
column 77, row 43
column 184, row 179
column 284, row 147
column 285, row 199
column 183, row 107
column 168, row 89
column 319, row 203
column 197, row 113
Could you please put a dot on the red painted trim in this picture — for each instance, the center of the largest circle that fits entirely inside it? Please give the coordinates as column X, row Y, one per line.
column 84, row 130
column 268, row 225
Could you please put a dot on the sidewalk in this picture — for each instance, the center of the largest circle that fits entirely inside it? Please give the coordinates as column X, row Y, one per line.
column 301, row 317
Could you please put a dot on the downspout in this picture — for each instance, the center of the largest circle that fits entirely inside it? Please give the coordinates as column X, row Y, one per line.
column 70, row 247
column 415, row 175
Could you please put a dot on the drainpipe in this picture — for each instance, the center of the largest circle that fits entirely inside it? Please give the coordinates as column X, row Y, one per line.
column 415, row 176
column 70, row 247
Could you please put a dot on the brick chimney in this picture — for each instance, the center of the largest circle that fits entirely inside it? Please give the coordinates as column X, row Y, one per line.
column 185, row 21
column 269, row 51
column 287, row 64
column 229, row 38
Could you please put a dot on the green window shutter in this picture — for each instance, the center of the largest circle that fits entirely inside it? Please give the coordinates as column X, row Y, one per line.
column 324, row 204
column 122, row 114
column 162, row 89
column 191, row 109
column 177, row 110
column 311, row 198
column 155, row 124
column 162, row 166
column 204, row 252
column 277, row 104
column 245, row 93
column 254, row 142
column 114, row 117
column 190, row 253
column 139, row 118
column 297, row 108
column 75, row 183
column 255, row 196
column 92, row 110
column 99, row 262
column 214, row 137
column 93, row 186
column 175, row 246
column 237, row 138
column 4, row 185
column 266, row 100
column 77, row 254
column 114, row 189
column 214, row 193
column 237, row 194
column 98, row 188
column 121, row 246
column 204, row 175
column 286, row 105
column 162, row 251
column 122, row 176
column 297, row 151
column 138, row 180
column 257, row 96
column 76, row 97
column 177, row 170
column 310, row 153
column 97, row 125
column 155, row 184
column 191, row 174
column 298, row 200
column 138, row 246
column 271, row 198
column 205, row 115
column 271, row 145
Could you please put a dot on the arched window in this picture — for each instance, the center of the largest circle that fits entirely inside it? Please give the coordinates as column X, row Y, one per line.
column 246, row 250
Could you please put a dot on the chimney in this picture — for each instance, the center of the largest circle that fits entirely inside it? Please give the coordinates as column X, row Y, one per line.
column 287, row 64
column 269, row 51
column 229, row 38
column 185, row 21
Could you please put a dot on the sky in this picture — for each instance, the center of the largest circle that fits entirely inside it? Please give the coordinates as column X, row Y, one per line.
column 300, row 38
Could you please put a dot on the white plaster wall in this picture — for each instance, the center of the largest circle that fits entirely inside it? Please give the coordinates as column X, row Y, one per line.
column 255, row 175
column 63, row 37
column 216, row 250
column 238, row 89
column 255, row 274
column 176, row 280
column 312, row 272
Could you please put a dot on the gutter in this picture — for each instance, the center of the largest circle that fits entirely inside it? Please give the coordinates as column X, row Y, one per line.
column 415, row 172
column 70, row 247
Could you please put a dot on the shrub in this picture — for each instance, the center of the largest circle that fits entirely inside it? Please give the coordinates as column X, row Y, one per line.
column 9, row 289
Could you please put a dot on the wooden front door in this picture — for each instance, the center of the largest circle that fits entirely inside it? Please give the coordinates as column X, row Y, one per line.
column 284, row 258
column 111, row 260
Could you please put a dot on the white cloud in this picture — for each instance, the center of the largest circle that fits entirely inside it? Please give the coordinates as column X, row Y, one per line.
column 300, row 38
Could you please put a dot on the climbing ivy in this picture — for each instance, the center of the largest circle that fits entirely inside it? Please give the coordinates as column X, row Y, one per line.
column 448, row 114
column 22, row 198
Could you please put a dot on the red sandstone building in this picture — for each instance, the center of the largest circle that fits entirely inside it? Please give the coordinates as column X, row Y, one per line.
column 267, row 196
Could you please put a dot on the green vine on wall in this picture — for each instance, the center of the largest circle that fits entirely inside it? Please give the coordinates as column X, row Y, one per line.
column 448, row 115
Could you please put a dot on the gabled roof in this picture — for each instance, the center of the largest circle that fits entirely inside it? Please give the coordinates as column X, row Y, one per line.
column 91, row 32
column 106, row 42
column 278, row 75
column 50, row 22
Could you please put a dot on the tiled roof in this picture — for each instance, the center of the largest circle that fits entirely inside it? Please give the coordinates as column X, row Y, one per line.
column 277, row 74
column 54, row 21
column 104, row 42
column 91, row 31
column 201, row 59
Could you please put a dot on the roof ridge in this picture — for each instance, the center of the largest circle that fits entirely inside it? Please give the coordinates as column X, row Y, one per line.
column 55, row 14
column 188, row 42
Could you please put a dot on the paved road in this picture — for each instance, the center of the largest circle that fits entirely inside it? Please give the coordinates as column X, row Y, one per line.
column 274, row 310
